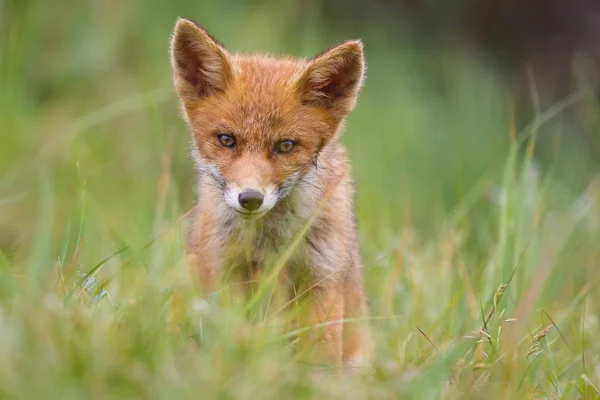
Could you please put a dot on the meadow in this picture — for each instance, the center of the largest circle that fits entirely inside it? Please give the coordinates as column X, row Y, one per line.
column 482, row 263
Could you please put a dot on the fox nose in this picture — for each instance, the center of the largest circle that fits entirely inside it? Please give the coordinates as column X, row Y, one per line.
column 251, row 199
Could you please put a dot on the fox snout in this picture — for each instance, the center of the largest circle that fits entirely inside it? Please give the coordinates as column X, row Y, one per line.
column 251, row 185
column 251, row 201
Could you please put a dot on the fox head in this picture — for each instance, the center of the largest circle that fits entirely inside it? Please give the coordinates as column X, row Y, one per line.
column 258, row 123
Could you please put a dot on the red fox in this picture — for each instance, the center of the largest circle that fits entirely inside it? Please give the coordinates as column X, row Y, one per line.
column 265, row 141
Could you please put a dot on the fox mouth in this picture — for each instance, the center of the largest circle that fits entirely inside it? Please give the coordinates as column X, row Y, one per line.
column 250, row 214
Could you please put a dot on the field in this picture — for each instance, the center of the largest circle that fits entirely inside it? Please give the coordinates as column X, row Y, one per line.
column 482, row 263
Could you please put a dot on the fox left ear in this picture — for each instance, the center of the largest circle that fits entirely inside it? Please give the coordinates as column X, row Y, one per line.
column 333, row 79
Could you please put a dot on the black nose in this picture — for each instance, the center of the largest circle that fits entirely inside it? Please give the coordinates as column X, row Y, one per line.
column 251, row 199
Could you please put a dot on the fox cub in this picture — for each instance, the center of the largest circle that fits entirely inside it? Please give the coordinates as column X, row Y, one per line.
column 271, row 169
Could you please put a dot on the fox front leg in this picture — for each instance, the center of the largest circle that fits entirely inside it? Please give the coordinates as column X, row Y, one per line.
column 322, row 342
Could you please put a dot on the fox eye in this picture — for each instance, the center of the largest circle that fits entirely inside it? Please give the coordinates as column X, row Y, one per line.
column 285, row 146
column 227, row 140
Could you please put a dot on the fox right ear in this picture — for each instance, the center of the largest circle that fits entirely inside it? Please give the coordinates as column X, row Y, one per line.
column 201, row 65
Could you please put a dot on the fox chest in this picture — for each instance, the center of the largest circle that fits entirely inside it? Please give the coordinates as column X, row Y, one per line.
column 258, row 244
column 256, row 247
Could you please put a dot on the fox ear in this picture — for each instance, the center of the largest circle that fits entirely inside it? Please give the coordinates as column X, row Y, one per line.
column 201, row 65
column 333, row 79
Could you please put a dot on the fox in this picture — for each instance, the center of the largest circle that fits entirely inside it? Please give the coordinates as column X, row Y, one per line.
column 265, row 141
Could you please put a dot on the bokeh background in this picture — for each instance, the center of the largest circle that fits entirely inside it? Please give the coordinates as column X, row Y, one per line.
column 475, row 150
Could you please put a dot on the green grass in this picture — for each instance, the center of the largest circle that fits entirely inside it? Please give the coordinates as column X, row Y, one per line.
column 482, row 267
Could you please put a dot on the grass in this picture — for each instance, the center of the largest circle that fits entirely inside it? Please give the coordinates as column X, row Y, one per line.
column 481, row 263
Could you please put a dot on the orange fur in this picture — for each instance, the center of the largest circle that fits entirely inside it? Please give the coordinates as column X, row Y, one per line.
column 259, row 101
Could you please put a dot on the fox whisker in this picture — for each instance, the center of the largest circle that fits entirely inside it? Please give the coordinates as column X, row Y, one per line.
column 218, row 180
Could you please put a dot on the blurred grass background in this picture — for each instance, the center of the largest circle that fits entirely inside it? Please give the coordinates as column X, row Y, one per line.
column 95, row 174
